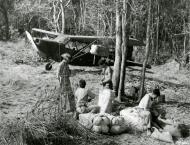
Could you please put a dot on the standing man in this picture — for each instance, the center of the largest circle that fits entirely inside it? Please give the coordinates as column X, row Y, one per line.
column 106, row 97
column 67, row 99
column 106, row 71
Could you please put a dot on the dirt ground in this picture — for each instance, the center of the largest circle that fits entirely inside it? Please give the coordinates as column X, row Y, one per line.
column 23, row 79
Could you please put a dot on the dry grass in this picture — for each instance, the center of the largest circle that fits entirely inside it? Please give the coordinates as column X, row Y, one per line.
column 19, row 52
column 47, row 125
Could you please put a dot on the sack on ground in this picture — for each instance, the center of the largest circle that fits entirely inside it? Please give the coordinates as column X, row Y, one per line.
column 136, row 119
column 162, row 136
column 174, row 130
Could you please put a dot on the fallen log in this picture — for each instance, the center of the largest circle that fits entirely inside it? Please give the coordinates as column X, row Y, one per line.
column 132, row 63
column 162, row 81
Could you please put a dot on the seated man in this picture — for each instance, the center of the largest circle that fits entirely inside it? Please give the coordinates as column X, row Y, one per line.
column 106, row 96
column 147, row 102
column 83, row 96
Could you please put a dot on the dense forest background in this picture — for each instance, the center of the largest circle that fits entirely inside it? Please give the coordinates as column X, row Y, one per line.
column 97, row 17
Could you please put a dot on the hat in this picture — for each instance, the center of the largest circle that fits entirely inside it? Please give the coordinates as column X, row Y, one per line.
column 66, row 56
column 102, row 61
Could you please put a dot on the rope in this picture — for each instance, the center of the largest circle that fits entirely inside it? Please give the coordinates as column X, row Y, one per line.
column 75, row 56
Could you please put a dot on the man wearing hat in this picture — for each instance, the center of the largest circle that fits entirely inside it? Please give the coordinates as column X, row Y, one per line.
column 67, row 100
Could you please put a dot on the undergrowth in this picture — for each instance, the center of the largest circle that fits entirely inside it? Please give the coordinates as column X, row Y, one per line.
column 46, row 124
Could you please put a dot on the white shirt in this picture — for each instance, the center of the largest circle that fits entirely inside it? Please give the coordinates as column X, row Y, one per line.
column 146, row 102
column 82, row 95
column 105, row 99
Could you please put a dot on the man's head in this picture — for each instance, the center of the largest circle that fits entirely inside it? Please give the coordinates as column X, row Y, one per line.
column 108, row 62
column 82, row 83
column 66, row 56
column 102, row 62
column 107, row 84
column 156, row 93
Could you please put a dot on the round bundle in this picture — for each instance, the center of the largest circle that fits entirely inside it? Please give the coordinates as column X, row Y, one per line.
column 101, row 124
column 117, row 125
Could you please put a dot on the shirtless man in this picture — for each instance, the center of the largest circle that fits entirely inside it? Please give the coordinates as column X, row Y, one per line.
column 83, row 96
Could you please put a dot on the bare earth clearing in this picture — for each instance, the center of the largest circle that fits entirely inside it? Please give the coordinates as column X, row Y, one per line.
column 22, row 84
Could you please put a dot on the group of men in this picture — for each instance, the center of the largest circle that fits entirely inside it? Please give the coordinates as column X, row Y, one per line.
column 78, row 101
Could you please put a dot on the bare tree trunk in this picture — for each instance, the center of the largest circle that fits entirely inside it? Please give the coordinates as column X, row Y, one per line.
column 188, row 9
column 62, row 17
column 184, row 42
column 147, row 52
column 111, row 31
column 152, row 40
column 125, row 40
column 6, row 24
column 77, row 14
column 117, row 63
column 157, row 30
column 83, row 13
column 4, row 12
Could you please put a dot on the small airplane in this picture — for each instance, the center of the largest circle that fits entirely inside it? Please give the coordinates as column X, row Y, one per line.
column 85, row 50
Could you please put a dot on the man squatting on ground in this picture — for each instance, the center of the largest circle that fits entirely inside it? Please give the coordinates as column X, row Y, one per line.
column 105, row 98
column 83, row 96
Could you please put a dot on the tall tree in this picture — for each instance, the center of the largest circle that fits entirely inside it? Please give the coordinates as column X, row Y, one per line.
column 147, row 51
column 125, row 42
column 79, row 14
column 5, row 6
column 117, row 63
column 122, row 40
column 157, row 29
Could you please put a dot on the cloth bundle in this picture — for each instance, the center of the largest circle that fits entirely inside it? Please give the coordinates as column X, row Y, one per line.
column 101, row 124
column 99, row 50
column 106, row 123
column 117, row 125
column 136, row 119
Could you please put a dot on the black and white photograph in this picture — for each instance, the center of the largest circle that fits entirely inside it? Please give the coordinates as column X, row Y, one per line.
column 94, row 72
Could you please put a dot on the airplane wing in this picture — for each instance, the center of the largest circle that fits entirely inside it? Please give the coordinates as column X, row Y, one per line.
column 64, row 38
column 99, row 39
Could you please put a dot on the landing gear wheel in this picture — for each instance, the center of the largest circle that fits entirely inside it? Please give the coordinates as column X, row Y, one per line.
column 48, row 66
